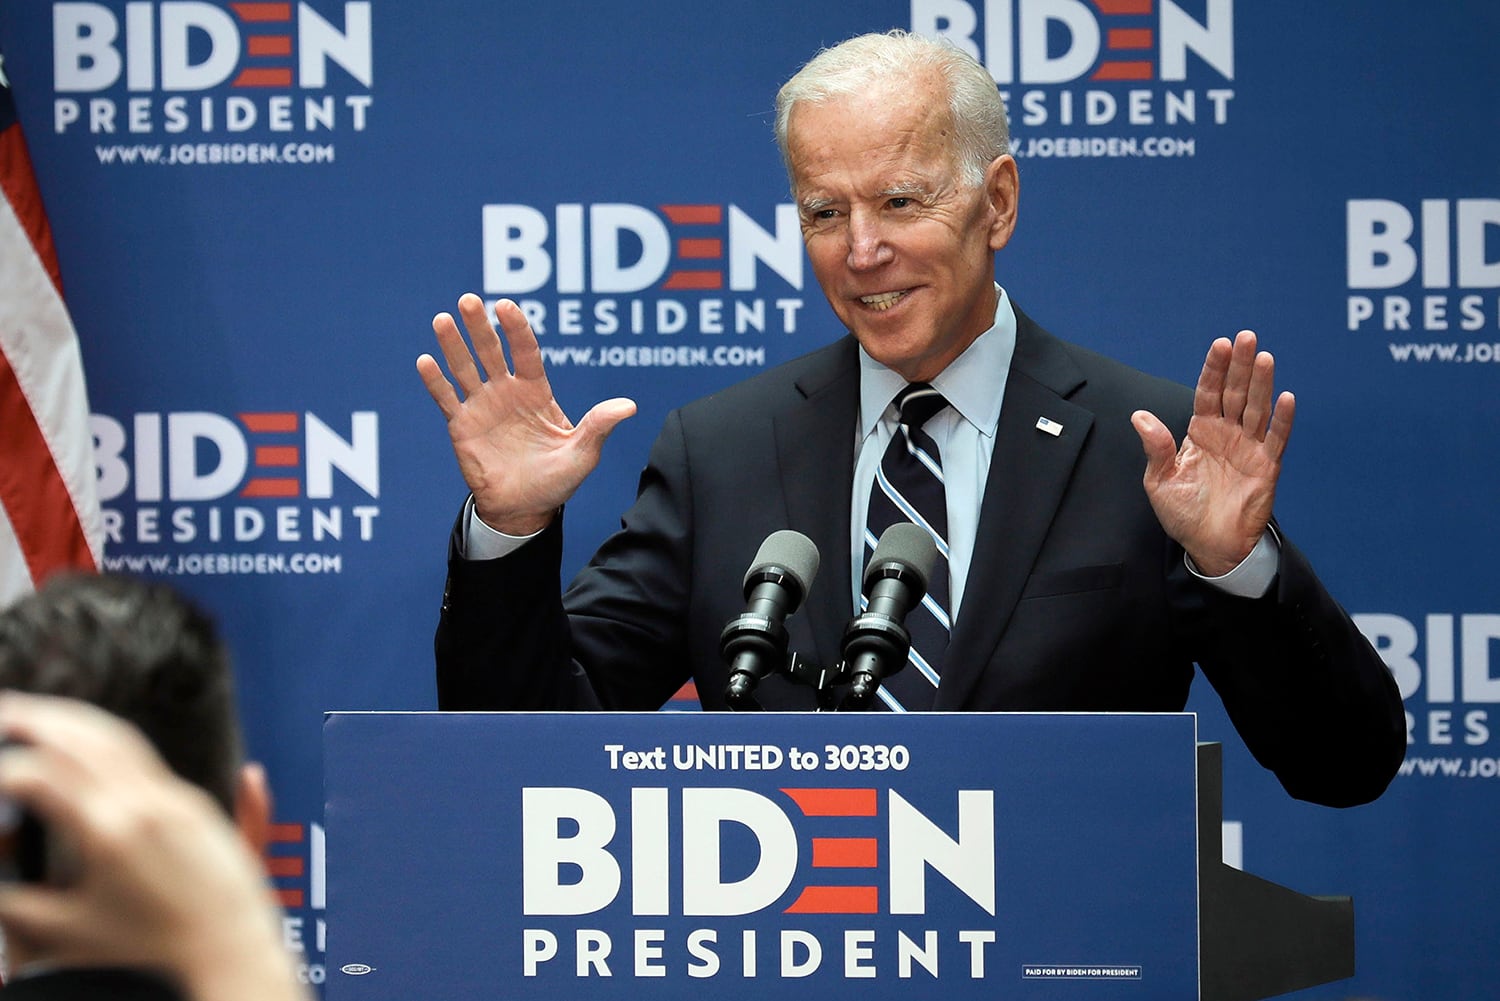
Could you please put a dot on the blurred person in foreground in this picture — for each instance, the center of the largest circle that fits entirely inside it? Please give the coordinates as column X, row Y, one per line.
column 1102, row 530
column 163, row 898
column 152, row 886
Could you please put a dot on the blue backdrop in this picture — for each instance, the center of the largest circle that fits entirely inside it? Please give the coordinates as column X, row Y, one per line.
column 259, row 206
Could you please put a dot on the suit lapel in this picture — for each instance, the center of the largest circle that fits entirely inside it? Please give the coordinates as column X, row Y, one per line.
column 1029, row 472
column 815, row 451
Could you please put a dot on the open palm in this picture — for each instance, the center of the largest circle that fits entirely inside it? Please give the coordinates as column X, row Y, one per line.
column 518, row 452
column 1214, row 494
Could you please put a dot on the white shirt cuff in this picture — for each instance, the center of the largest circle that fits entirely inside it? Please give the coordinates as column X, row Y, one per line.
column 481, row 542
column 1253, row 577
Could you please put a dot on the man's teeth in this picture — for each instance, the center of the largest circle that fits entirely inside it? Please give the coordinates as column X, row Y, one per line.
column 885, row 300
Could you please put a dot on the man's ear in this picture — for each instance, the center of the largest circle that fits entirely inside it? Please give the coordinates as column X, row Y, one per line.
column 1003, row 186
column 252, row 807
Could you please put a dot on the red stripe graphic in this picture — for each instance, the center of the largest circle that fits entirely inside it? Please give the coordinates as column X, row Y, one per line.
column 259, row 12
column 834, row 802
column 284, row 867
column 694, row 280
column 1123, row 71
column 271, row 486
column 844, row 853
column 277, row 455
column 837, row 900
column 269, row 423
column 268, row 45
column 263, row 78
column 1121, row 7
column 1131, row 38
column 700, row 249
column 694, row 215
column 285, row 833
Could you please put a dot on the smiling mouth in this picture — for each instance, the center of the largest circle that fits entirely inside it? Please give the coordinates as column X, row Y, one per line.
column 883, row 300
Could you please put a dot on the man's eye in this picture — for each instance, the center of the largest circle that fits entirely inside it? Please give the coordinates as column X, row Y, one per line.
column 899, row 202
column 826, row 214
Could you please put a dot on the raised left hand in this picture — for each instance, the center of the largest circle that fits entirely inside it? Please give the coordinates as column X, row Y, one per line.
column 1214, row 494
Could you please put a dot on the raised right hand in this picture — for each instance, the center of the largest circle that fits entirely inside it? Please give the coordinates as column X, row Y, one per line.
column 518, row 452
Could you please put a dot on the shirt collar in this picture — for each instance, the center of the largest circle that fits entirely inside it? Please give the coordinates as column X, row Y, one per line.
column 973, row 383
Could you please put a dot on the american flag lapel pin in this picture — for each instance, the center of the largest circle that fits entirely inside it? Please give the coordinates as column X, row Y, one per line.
column 1050, row 426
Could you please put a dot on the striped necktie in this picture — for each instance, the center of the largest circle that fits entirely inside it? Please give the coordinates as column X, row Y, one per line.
column 909, row 487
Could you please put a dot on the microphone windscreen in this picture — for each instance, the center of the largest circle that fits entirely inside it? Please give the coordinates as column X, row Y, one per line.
column 791, row 552
column 908, row 545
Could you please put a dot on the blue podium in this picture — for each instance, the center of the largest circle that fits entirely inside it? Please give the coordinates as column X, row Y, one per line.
column 818, row 856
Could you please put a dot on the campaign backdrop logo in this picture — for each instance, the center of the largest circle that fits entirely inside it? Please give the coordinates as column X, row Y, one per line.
column 813, row 858
column 205, row 493
column 1441, row 663
column 192, row 82
column 296, row 862
column 737, row 851
column 1112, row 78
column 1422, row 277
column 662, row 284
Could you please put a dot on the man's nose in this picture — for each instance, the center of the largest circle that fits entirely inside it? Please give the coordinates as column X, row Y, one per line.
column 868, row 247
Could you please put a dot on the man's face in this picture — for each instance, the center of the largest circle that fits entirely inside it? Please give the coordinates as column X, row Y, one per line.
column 902, row 249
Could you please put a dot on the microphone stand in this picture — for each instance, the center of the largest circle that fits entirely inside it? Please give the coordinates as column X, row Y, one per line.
column 826, row 683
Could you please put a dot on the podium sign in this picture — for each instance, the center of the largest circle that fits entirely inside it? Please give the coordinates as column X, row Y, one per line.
column 817, row 856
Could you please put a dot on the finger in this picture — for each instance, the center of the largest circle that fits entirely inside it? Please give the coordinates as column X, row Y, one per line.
column 65, row 750
column 1237, row 380
column 1208, row 398
column 47, row 785
column 43, row 917
column 482, row 332
column 456, row 354
column 600, row 422
column 525, row 354
column 438, row 387
column 1281, row 424
column 1158, row 444
column 78, row 730
column 1258, row 397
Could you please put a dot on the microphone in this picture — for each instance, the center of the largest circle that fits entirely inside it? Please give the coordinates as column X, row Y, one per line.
column 754, row 644
column 876, row 642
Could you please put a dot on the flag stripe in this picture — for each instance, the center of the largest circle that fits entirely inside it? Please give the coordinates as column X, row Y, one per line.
column 35, row 498
column 47, row 483
column 15, row 576
column 19, row 185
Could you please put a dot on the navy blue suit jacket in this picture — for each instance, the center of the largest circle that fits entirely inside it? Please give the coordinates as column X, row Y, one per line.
column 1076, row 599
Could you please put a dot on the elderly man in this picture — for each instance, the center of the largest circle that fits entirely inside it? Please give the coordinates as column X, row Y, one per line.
column 1067, row 580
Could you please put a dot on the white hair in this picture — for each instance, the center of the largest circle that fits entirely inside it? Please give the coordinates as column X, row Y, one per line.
column 981, row 132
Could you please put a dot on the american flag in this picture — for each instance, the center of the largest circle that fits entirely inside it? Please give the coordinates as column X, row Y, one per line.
column 49, row 508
